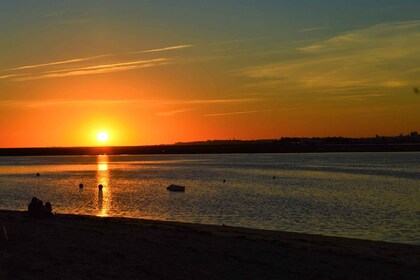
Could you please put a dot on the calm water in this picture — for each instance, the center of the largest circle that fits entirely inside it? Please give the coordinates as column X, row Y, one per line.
column 361, row 195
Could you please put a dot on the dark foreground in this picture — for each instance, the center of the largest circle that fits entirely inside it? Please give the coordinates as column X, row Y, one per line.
column 81, row 247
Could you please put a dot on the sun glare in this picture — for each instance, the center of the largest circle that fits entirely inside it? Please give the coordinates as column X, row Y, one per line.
column 102, row 136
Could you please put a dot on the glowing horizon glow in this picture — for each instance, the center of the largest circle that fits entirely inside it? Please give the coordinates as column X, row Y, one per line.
column 102, row 136
column 307, row 69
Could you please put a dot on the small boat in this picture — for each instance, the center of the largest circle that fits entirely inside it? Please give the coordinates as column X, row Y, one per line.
column 175, row 188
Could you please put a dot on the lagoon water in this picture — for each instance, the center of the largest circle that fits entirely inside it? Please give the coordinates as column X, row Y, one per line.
column 360, row 195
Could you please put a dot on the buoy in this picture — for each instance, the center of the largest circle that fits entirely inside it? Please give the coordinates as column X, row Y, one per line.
column 176, row 188
column 274, row 177
column 80, row 186
column 37, row 174
column 100, row 187
column 224, row 181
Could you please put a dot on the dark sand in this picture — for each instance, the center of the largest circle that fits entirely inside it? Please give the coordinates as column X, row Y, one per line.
column 82, row 247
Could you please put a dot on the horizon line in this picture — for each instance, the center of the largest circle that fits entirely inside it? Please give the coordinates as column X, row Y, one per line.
column 211, row 140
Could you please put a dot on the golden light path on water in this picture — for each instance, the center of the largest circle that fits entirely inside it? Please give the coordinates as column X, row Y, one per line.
column 102, row 178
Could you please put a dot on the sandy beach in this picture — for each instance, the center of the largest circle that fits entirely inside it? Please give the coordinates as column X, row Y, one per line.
column 85, row 247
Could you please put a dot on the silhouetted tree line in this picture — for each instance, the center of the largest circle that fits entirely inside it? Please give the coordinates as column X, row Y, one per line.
column 412, row 138
column 400, row 143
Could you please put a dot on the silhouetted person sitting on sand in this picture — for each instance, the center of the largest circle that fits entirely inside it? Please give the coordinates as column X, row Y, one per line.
column 33, row 207
column 47, row 210
column 36, row 209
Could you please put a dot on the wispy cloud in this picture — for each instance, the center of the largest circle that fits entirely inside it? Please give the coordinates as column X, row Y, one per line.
column 111, row 65
column 11, row 76
column 171, row 113
column 356, row 97
column 98, row 69
column 236, row 113
column 235, row 41
column 400, row 33
column 380, row 56
column 310, row 29
column 56, row 63
column 82, row 59
column 165, row 49
column 111, row 102
column 65, row 102
column 211, row 101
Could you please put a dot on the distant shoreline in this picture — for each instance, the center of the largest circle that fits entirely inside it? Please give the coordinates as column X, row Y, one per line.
column 224, row 148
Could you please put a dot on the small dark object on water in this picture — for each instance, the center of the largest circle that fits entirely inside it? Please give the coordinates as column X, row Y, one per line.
column 224, row 181
column 416, row 90
column 100, row 187
column 274, row 177
column 176, row 188
column 37, row 174
column 80, row 186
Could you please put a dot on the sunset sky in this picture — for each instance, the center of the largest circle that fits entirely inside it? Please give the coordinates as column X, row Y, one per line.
column 160, row 72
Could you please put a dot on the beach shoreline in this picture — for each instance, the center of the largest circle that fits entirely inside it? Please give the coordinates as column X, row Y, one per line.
column 242, row 147
column 126, row 248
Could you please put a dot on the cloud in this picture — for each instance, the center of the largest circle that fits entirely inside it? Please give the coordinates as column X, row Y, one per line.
column 313, row 29
column 243, row 40
column 171, row 113
column 211, row 101
column 164, row 49
column 194, row 103
column 64, row 102
column 371, row 37
column 98, row 69
column 356, row 97
column 112, row 65
column 75, row 60
column 142, row 102
column 381, row 56
column 11, row 76
column 56, row 63
column 236, row 113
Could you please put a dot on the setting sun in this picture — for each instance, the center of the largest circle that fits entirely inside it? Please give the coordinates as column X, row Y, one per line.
column 102, row 136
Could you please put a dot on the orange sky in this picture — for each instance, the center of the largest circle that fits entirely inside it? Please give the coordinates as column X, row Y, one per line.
column 154, row 73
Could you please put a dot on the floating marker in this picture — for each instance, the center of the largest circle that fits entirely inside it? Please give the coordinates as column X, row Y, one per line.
column 176, row 188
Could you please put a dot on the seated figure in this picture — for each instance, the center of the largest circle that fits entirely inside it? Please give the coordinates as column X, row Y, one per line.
column 47, row 210
column 36, row 209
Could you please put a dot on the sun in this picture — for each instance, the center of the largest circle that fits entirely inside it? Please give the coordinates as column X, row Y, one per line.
column 102, row 136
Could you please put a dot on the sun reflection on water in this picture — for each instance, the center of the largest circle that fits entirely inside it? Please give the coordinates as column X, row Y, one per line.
column 102, row 178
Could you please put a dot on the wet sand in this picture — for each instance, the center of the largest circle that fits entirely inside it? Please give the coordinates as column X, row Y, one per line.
column 85, row 247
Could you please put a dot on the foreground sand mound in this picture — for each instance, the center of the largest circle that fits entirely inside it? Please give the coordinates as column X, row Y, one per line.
column 82, row 247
